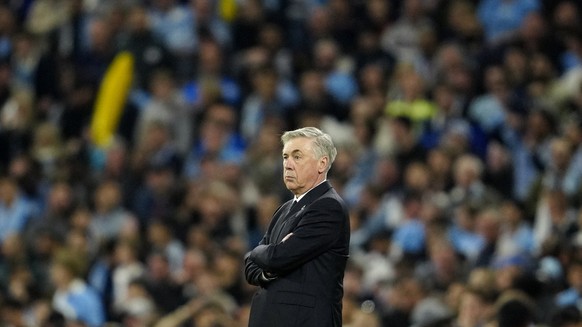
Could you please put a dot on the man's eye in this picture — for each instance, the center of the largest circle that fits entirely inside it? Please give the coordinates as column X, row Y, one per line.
column 297, row 157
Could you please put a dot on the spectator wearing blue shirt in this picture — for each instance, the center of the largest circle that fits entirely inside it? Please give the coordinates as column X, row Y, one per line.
column 15, row 209
column 211, row 74
column 174, row 24
column 271, row 97
column 501, row 18
column 339, row 80
column 409, row 236
column 73, row 298
column 571, row 296
column 218, row 145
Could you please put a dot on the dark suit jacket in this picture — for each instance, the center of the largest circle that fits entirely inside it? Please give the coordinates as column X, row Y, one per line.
column 309, row 265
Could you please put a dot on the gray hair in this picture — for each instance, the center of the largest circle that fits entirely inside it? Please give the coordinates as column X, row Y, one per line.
column 323, row 144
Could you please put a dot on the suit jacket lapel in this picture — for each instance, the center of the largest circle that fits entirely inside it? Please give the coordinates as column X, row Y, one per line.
column 288, row 219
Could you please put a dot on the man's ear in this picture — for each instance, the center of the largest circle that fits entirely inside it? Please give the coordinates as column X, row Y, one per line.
column 322, row 166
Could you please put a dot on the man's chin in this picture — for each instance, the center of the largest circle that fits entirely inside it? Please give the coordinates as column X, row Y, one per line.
column 290, row 186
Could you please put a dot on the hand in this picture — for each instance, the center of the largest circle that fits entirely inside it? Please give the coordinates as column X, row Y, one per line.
column 286, row 237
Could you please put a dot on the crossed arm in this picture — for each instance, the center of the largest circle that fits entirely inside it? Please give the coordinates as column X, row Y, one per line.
column 316, row 233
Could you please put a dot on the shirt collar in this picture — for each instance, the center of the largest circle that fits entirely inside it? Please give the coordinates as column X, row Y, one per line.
column 298, row 198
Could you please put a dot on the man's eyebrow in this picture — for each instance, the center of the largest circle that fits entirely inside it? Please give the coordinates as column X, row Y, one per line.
column 292, row 152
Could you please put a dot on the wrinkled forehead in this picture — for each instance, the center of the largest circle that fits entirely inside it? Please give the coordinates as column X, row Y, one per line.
column 302, row 144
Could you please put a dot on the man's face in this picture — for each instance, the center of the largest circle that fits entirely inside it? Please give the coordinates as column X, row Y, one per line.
column 302, row 170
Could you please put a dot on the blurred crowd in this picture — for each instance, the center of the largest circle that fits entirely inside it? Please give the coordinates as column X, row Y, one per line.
column 458, row 125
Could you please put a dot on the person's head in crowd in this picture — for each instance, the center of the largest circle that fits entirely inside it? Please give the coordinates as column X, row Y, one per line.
column 265, row 80
column 515, row 309
column 488, row 224
column 216, row 202
column 312, row 86
column 464, row 216
column 558, row 206
column 67, row 266
column 454, row 67
column 107, row 197
column 433, row 213
column 402, row 129
column 159, row 235
column 540, row 125
column 18, row 114
column 13, row 248
column 405, row 293
column 79, row 241
column 561, row 154
column 365, row 132
column 508, row 270
column 162, row 85
column 574, row 274
column 542, row 74
column 515, row 63
column 160, row 178
column 80, row 218
column 116, row 160
column 387, row 173
column 362, row 109
column 60, row 200
column 372, row 79
column 157, row 134
column 572, row 130
column 12, row 312
column 497, row 158
column 379, row 12
column 271, row 37
column 533, row 28
column 513, row 213
column 226, row 265
column 139, row 308
column 9, row 191
column 138, row 21
column 320, row 22
column 194, row 263
column 496, row 82
column 251, row 11
column 461, row 20
column 100, row 34
column 26, row 172
column 416, row 177
column 325, row 55
column 476, row 307
column 446, row 262
column 205, row 10
column 444, row 98
column 218, row 123
column 126, row 252
column 412, row 204
column 158, row 266
column 565, row 15
column 439, row 164
column 467, row 170
column 210, row 59
column 47, row 147
column 456, row 138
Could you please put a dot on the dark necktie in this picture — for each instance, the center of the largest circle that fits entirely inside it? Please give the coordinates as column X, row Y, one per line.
column 293, row 205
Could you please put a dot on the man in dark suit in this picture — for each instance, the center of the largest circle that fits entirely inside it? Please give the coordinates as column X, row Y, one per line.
column 299, row 264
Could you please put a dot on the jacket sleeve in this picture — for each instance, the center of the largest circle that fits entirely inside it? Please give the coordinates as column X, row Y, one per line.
column 252, row 271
